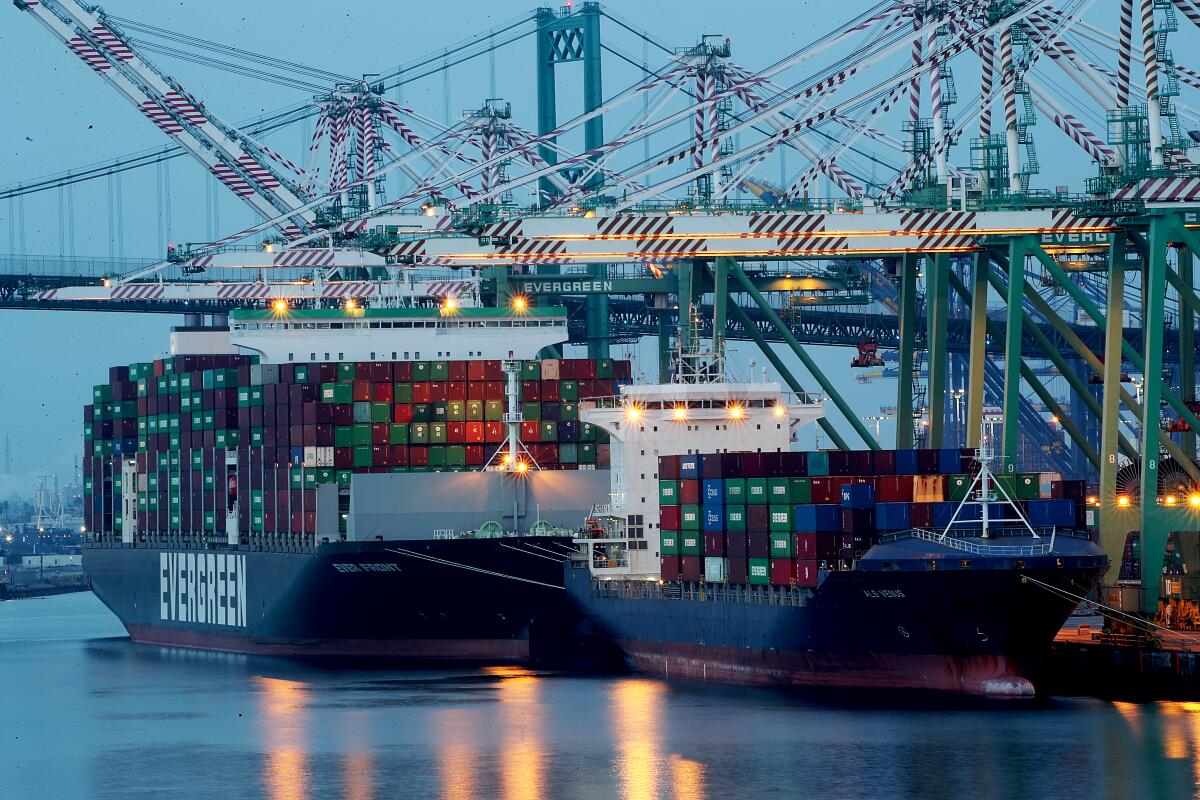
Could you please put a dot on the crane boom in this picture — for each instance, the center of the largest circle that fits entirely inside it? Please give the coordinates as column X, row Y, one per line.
column 229, row 154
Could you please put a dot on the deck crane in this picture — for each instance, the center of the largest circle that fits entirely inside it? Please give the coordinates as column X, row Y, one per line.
column 235, row 158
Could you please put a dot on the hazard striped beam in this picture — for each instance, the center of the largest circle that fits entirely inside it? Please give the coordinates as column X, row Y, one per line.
column 1161, row 190
column 299, row 258
column 256, row 292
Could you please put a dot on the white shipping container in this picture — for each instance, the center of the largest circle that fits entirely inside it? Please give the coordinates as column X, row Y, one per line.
column 324, row 456
column 714, row 569
column 310, row 457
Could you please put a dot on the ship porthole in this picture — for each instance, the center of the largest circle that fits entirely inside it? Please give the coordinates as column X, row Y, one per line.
column 900, row 629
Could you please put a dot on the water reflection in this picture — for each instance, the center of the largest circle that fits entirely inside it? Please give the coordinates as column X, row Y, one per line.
column 522, row 756
column 283, row 704
column 687, row 778
column 636, row 722
column 457, row 758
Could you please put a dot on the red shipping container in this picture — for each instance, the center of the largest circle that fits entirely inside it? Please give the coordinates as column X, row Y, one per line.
column 894, row 489
column 736, row 544
column 456, row 432
column 758, row 544
column 456, row 390
column 402, row 371
column 343, row 414
column 584, row 369
column 420, row 393
column 402, row 413
column 670, row 569
column 379, row 433
column 668, row 518
column 476, row 390
column 805, row 572
column 920, row 515
column 474, row 433
column 531, row 431
column 381, row 392
column 689, row 492
column 437, row 392
column 343, row 458
column 418, row 456
column 493, row 390
column 825, row 490
column 549, row 390
column 531, row 391
column 547, row 454
column 668, row 468
column 361, row 391
column 758, row 518
column 457, row 370
column 690, row 569
column 493, row 432
column 782, row 571
column 475, row 456
column 714, row 543
column 398, row 455
column 737, row 571
column 806, row 545
column 476, row 371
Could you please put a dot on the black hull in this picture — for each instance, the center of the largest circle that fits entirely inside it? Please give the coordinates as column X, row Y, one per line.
column 975, row 631
column 462, row 600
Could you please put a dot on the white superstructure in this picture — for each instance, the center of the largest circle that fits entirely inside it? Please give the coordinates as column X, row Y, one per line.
column 396, row 334
column 649, row 421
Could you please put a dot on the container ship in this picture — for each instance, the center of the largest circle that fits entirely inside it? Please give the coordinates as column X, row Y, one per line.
column 725, row 556
column 397, row 483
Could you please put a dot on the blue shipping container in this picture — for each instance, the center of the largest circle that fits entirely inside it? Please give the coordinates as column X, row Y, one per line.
column 949, row 461
column 943, row 512
column 689, row 467
column 891, row 517
column 817, row 518
column 906, row 462
column 713, row 491
column 1050, row 513
column 714, row 518
column 858, row 495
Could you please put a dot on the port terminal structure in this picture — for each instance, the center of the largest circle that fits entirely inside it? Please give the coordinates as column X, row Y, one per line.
column 967, row 270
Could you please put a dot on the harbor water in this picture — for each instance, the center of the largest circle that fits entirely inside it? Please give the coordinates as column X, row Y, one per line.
column 88, row 714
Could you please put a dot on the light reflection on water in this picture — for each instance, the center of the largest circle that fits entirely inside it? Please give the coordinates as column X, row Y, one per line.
column 97, row 717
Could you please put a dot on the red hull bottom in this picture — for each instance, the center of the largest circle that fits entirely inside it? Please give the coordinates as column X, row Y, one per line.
column 993, row 676
column 495, row 651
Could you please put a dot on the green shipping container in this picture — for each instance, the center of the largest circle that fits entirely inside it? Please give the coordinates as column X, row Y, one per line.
column 735, row 491
column 689, row 517
column 381, row 412
column 779, row 490
column 531, row 411
column 531, row 370
column 668, row 543
column 344, row 476
column 690, row 543
column 760, row 571
column 296, row 479
column 437, row 433
column 456, row 456
column 587, row 453
column 549, row 431
column 818, row 463
column 337, row 393
column 397, row 434
column 568, row 391
column 568, row 453
column 437, row 456
column 420, row 372
column 362, row 434
column 422, row 412
column 1026, row 486
column 781, row 519
column 439, row 370
column 735, row 518
column 345, row 371
column 782, row 544
column 799, row 491
column 493, row 410
column 957, row 486
column 668, row 493
column 362, row 456
column 402, row 393
column 343, row 436
column 756, row 491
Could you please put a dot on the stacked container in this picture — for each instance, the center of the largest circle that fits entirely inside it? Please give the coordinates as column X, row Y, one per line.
column 781, row 518
column 205, row 431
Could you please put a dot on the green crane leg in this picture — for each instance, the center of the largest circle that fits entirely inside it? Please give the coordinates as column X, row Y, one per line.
column 664, row 346
column 826, row 385
column 938, row 306
column 1112, row 528
column 977, row 358
column 1131, row 355
column 1012, row 350
column 784, row 373
column 597, row 312
column 1187, row 341
column 1078, row 436
column 908, row 339
column 720, row 299
column 1154, row 534
column 684, row 270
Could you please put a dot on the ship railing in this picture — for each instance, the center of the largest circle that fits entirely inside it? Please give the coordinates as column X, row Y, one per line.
column 703, row 592
column 618, row 401
column 978, row 547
